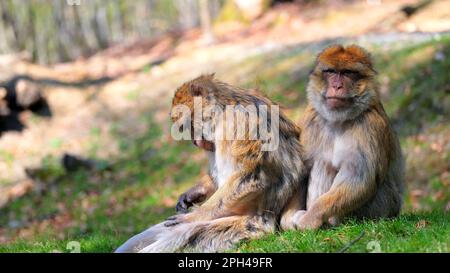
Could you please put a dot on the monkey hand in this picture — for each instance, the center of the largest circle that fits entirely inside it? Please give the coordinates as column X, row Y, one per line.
column 196, row 215
column 289, row 221
column 309, row 220
column 188, row 199
column 175, row 220
column 184, row 203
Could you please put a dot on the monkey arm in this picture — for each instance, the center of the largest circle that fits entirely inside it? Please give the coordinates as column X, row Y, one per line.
column 353, row 185
column 196, row 194
column 238, row 196
column 296, row 207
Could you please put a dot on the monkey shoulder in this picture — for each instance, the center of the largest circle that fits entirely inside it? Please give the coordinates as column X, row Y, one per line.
column 375, row 126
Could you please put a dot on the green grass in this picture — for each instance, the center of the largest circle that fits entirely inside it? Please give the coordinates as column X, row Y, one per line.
column 422, row 232
column 93, row 243
column 102, row 208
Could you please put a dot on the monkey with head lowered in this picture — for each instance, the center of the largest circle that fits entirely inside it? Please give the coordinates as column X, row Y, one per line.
column 352, row 154
column 249, row 183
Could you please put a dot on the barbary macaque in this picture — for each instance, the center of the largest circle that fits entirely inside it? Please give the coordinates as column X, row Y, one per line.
column 351, row 151
column 252, row 174
column 206, row 186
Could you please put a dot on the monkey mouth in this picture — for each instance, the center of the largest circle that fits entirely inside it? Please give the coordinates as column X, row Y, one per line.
column 204, row 144
column 335, row 102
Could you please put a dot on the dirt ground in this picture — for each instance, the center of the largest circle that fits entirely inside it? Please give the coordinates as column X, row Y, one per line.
column 115, row 89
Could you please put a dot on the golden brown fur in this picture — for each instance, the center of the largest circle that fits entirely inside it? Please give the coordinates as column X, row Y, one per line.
column 247, row 187
column 351, row 150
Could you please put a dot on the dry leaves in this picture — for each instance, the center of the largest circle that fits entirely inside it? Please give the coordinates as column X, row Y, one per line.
column 422, row 224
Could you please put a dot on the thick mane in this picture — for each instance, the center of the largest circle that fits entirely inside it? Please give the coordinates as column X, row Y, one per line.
column 338, row 55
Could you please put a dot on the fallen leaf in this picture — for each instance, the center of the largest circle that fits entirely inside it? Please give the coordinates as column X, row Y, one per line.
column 168, row 202
column 422, row 224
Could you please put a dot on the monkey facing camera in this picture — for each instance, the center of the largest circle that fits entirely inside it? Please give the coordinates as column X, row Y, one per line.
column 354, row 158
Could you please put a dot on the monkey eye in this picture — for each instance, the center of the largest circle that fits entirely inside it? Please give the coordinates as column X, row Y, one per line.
column 349, row 72
column 355, row 75
column 329, row 70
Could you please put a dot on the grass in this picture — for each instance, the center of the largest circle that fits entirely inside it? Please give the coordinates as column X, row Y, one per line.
column 102, row 208
column 95, row 243
column 422, row 232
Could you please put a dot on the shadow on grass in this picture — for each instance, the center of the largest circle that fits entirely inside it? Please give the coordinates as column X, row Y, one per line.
column 133, row 193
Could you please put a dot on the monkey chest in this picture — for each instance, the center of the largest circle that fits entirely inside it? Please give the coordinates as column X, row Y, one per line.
column 222, row 168
column 327, row 160
column 331, row 154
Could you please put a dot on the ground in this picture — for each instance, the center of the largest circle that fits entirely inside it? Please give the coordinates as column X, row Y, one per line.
column 122, row 122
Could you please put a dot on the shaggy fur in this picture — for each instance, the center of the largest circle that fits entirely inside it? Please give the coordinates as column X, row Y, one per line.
column 247, row 187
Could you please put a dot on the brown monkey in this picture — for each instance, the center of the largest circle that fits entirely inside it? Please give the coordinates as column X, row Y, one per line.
column 354, row 157
column 206, row 186
column 249, row 183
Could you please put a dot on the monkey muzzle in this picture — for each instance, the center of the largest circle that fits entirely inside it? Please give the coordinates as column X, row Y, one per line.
column 336, row 102
column 204, row 144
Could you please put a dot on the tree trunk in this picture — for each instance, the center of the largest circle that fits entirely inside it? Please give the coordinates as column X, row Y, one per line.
column 205, row 18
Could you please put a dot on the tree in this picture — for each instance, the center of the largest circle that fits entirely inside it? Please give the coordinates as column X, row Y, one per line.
column 205, row 16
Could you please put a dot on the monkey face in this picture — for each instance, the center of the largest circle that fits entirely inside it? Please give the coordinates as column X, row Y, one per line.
column 184, row 106
column 341, row 85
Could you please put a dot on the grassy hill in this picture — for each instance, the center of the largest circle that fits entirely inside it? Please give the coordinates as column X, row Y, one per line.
column 101, row 208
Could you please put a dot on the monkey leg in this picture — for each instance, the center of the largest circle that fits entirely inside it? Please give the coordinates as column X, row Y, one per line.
column 294, row 210
column 340, row 200
column 143, row 239
column 212, row 236
column 238, row 196
column 387, row 202
column 197, row 194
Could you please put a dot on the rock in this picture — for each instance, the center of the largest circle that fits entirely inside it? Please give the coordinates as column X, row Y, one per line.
column 4, row 109
column 73, row 163
column 28, row 93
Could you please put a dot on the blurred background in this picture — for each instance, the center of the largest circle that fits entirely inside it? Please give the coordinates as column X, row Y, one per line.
column 85, row 91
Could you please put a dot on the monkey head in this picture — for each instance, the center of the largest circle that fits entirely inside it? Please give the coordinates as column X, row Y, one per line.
column 342, row 84
column 204, row 88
